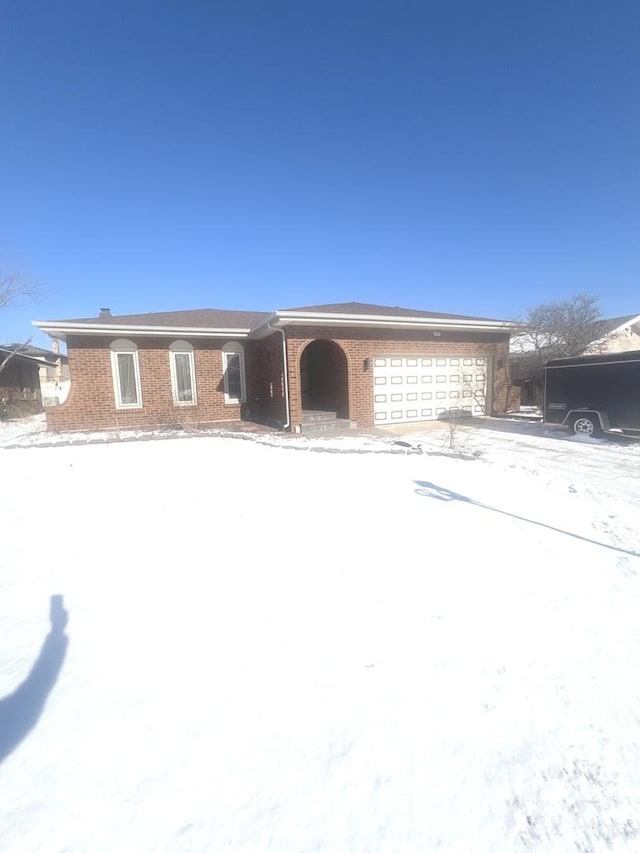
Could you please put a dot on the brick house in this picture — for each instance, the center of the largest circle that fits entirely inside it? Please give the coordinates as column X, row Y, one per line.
column 299, row 369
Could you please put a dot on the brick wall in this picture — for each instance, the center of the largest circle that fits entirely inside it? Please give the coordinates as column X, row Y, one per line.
column 359, row 346
column 265, row 380
column 91, row 403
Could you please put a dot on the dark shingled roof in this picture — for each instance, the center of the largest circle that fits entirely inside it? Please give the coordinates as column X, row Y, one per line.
column 214, row 318
column 33, row 352
column 205, row 318
column 15, row 351
column 366, row 309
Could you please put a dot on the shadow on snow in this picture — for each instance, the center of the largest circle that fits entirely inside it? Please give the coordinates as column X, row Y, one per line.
column 431, row 490
column 539, row 429
column 21, row 710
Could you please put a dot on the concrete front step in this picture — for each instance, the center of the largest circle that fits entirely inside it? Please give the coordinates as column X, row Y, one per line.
column 324, row 427
column 311, row 416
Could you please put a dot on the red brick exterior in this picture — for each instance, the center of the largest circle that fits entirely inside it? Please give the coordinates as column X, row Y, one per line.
column 91, row 404
column 264, row 362
column 362, row 345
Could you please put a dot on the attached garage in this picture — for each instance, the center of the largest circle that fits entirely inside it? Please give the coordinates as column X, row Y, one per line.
column 415, row 388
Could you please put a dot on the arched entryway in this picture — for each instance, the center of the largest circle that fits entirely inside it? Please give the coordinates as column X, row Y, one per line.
column 324, row 378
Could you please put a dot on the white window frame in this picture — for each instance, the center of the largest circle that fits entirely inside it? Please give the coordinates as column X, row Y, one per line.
column 233, row 348
column 182, row 348
column 122, row 347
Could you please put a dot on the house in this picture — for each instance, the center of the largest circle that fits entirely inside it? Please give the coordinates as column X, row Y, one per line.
column 34, row 376
column 54, row 375
column 23, row 368
column 300, row 369
column 618, row 334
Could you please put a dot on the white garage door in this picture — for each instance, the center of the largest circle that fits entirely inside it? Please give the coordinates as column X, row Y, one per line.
column 421, row 389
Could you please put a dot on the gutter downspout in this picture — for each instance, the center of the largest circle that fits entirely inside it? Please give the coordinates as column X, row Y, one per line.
column 285, row 363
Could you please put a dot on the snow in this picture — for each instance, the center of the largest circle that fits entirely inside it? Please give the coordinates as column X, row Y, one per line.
column 21, row 429
column 427, row 642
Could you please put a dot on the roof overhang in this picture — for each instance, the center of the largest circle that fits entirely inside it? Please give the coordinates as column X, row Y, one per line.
column 6, row 355
column 283, row 319
column 628, row 324
column 59, row 330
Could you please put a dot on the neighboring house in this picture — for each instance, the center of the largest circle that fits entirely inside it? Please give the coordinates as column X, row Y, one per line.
column 621, row 334
column 32, row 378
column 54, row 376
column 21, row 369
column 618, row 334
column 302, row 369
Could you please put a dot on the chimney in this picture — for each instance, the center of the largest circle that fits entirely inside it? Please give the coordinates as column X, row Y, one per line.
column 104, row 313
column 55, row 346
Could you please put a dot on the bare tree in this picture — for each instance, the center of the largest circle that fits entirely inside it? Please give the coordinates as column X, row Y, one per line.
column 13, row 288
column 560, row 329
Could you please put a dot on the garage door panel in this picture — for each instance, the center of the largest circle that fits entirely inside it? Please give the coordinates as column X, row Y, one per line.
column 413, row 388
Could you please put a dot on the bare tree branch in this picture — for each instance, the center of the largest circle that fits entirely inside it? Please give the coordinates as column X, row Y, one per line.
column 560, row 329
column 15, row 352
column 13, row 288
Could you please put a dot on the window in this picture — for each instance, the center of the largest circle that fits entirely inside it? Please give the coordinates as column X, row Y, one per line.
column 126, row 374
column 233, row 373
column 183, row 374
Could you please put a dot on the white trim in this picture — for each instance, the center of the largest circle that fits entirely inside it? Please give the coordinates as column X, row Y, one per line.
column 182, row 348
column 58, row 329
column 233, row 348
column 283, row 319
column 124, row 347
column 278, row 319
column 632, row 322
column 586, row 363
column 604, row 338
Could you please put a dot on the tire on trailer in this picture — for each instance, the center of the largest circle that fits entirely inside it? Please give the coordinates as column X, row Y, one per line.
column 586, row 423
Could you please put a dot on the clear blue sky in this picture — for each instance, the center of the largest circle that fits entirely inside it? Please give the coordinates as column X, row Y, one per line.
column 473, row 157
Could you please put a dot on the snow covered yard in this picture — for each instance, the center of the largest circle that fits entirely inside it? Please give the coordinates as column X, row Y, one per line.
column 280, row 650
column 22, row 429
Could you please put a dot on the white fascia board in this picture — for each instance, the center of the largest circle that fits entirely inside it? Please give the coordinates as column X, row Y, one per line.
column 61, row 330
column 586, row 363
column 266, row 328
column 36, row 359
column 393, row 322
column 610, row 334
column 604, row 338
